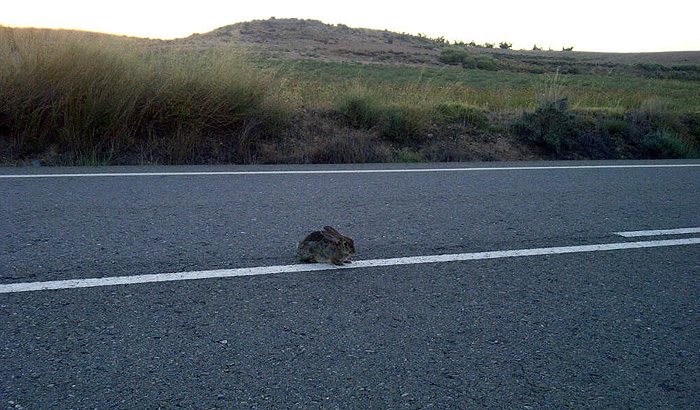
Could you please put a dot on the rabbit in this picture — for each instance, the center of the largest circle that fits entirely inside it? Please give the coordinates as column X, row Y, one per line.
column 326, row 246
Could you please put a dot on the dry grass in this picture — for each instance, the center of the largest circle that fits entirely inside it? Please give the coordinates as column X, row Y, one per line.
column 75, row 98
column 79, row 95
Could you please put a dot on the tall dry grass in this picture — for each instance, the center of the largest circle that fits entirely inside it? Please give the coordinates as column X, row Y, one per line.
column 88, row 97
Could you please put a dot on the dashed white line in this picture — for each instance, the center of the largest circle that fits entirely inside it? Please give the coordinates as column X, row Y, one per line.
column 659, row 232
column 342, row 171
column 268, row 270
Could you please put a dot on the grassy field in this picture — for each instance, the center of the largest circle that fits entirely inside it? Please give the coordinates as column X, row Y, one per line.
column 72, row 98
column 493, row 90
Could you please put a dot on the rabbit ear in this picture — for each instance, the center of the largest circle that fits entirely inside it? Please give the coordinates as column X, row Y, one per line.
column 330, row 237
column 332, row 231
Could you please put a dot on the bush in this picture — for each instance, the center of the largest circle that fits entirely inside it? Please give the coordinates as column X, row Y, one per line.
column 453, row 56
column 615, row 127
column 409, row 155
column 691, row 123
column 688, row 72
column 469, row 63
column 397, row 124
column 666, row 144
column 505, row 45
column 484, row 62
column 650, row 66
column 360, row 110
column 463, row 113
column 551, row 127
column 403, row 125
column 456, row 56
column 650, row 133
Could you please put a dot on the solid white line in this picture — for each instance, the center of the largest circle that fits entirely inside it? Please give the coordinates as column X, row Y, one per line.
column 659, row 232
column 268, row 270
column 343, row 171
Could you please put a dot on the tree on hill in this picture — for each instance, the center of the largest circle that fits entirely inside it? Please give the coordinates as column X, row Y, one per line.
column 505, row 45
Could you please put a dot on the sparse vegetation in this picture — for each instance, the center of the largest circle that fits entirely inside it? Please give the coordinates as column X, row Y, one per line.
column 463, row 114
column 560, row 132
column 79, row 98
column 679, row 72
column 78, row 95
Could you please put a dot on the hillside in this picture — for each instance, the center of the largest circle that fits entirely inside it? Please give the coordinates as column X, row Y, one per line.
column 294, row 38
column 312, row 39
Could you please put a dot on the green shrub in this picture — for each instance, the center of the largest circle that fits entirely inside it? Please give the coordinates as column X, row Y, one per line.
column 403, row 125
column 469, row 63
column 650, row 66
column 361, row 110
column 485, row 62
column 394, row 123
column 691, row 123
column 686, row 67
column 666, row 144
column 615, row 127
column 649, row 133
column 453, row 56
column 409, row 155
column 551, row 127
column 463, row 113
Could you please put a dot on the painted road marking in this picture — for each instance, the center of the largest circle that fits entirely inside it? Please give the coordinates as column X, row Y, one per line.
column 659, row 232
column 268, row 270
column 344, row 171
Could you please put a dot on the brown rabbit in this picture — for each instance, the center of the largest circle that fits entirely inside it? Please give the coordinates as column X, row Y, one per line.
column 326, row 246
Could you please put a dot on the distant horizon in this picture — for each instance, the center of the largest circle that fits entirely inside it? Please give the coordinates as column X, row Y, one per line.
column 451, row 41
column 596, row 26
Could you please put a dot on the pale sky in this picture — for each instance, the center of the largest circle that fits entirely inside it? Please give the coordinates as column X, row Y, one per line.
column 590, row 25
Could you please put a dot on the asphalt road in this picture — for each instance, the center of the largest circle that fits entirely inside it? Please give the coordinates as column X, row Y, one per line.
column 614, row 329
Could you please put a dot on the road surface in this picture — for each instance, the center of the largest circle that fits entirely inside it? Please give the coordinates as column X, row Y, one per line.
column 542, row 302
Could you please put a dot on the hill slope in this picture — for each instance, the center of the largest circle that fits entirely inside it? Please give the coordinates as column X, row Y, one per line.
column 296, row 38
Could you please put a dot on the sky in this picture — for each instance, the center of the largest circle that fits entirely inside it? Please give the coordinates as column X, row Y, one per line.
column 591, row 25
